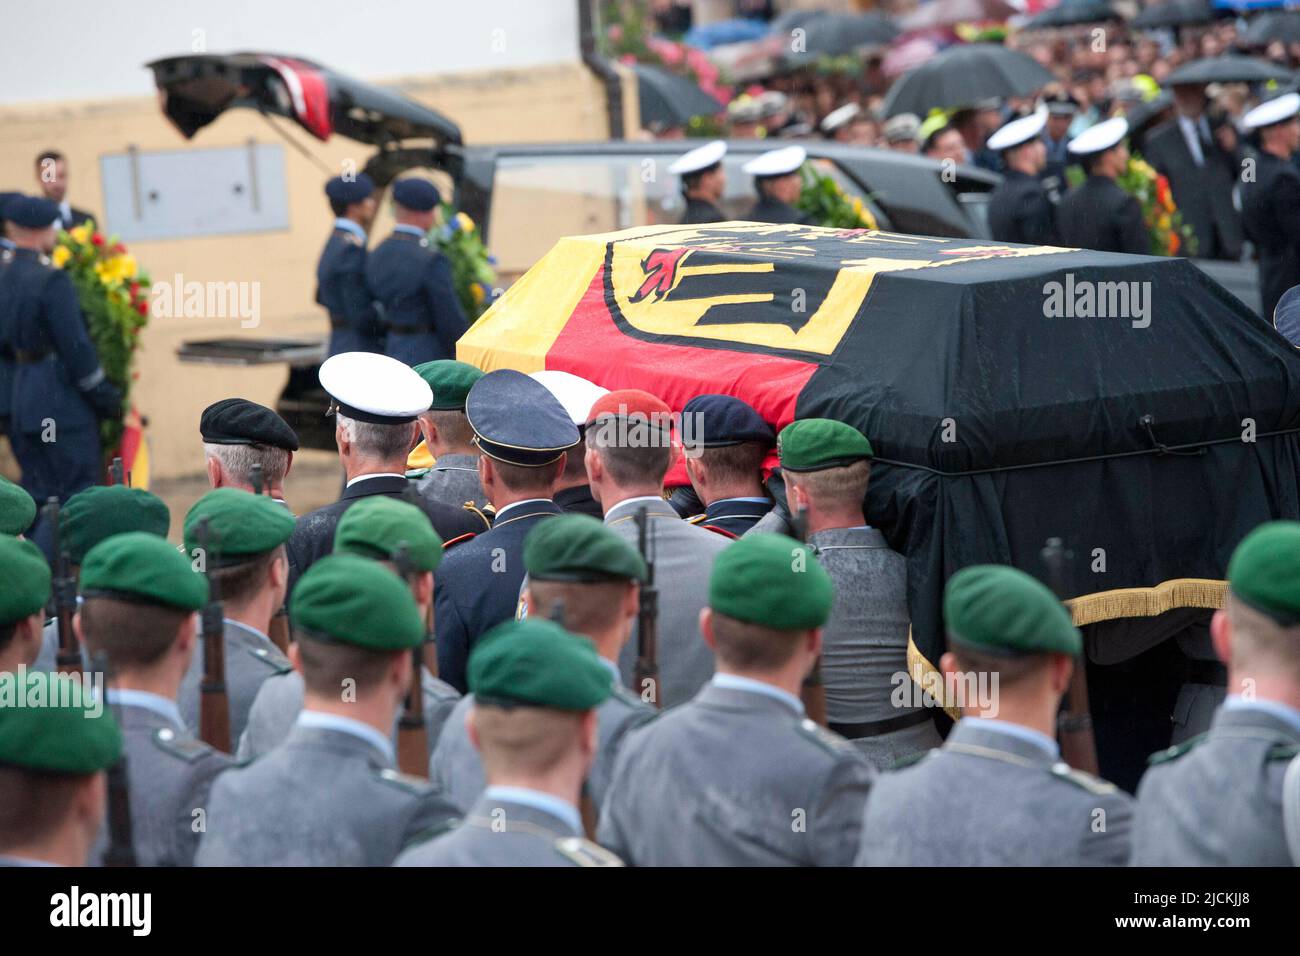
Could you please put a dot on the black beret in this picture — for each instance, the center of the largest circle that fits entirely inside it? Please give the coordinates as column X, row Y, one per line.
column 237, row 421
column 31, row 212
column 419, row 195
column 350, row 190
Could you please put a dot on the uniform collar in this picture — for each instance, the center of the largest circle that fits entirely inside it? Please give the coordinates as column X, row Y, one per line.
column 547, row 803
column 240, row 625
column 319, row 720
column 1289, row 716
column 347, row 225
column 155, row 703
column 406, row 229
column 378, row 474
column 1020, row 739
column 532, row 502
column 652, row 503
column 756, row 507
column 750, row 686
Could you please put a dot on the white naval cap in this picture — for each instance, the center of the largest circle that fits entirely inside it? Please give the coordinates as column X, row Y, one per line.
column 574, row 392
column 370, row 387
column 702, row 157
column 1102, row 136
column 1272, row 111
column 776, row 162
column 1018, row 131
column 839, row 117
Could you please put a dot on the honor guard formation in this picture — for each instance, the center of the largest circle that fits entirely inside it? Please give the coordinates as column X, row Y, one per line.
column 506, row 658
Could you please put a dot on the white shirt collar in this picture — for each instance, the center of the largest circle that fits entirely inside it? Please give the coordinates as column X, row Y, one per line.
column 613, row 670
column 748, row 684
column 322, row 721
column 546, row 802
column 163, row 706
column 515, row 504
column 380, row 474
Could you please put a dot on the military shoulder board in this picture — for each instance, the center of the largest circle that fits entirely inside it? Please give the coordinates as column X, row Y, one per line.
column 275, row 663
column 187, row 748
column 696, row 519
column 458, row 540
column 1280, row 751
column 582, row 852
column 437, row 830
column 722, row 531
column 828, row 741
column 1063, row 771
column 404, row 781
column 353, row 238
column 1176, row 751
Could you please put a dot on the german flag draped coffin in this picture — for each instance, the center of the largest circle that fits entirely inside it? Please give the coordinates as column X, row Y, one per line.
column 1125, row 404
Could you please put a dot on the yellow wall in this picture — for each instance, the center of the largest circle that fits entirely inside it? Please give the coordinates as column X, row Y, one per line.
column 563, row 102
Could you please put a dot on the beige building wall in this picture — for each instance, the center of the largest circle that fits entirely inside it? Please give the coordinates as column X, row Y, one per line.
column 549, row 103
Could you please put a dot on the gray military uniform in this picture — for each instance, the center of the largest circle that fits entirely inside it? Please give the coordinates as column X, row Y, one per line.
column 250, row 659
column 864, row 648
column 735, row 778
column 279, row 701
column 683, row 557
column 506, row 833
column 989, row 797
column 457, row 771
column 325, row 797
column 453, row 480
column 169, row 775
column 1217, row 800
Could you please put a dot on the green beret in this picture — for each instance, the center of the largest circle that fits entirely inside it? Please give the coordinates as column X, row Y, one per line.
column 101, row 511
column 997, row 609
column 450, row 381
column 53, row 724
column 1264, row 572
column 374, row 527
column 26, row 579
column 772, row 580
column 144, row 567
column 17, row 509
column 355, row 601
column 812, row 444
column 536, row 662
column 577, row 547
column 242, row 525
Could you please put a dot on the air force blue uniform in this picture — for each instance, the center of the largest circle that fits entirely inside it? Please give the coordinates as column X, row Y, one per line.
column 413, row 283
column 59, row 388
column 341, row 288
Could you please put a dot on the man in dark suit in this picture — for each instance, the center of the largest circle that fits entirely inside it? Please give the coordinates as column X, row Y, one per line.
column 1019, row 210
column 376, row 401
column 412, row 281
column 1270, row 200
column 523, row 433
column 1098, row 214
column 52, row 174
column 1200, row 173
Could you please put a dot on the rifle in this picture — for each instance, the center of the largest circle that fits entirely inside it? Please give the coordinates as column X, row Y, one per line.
column 412, row 735
column 1074, row 724
column 647, row 622
column 121, row 845
column 813, row 693
column 255, row 477
column 64, row 593
column 214, row 711
column 115, row 476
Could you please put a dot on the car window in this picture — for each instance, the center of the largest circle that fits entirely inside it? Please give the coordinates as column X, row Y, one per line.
column 538, row 199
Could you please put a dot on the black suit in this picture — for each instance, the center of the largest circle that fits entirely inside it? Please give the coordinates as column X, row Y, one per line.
column 770, row 210
column 700, row 211
column 1203, row 193
column 1100, row 215
column 477, row 586
column 1019, row 211
column 313, row 535
column 1270, row 211
column 78, row 217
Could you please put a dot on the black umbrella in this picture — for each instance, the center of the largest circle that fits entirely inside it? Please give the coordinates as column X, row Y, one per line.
column 1283, row 25
column 842, row 33
column 1174, row 13
column 1229, row 68
column 670, row 100
column 963, row 75
column 1141, row 115
column 1070, row 13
